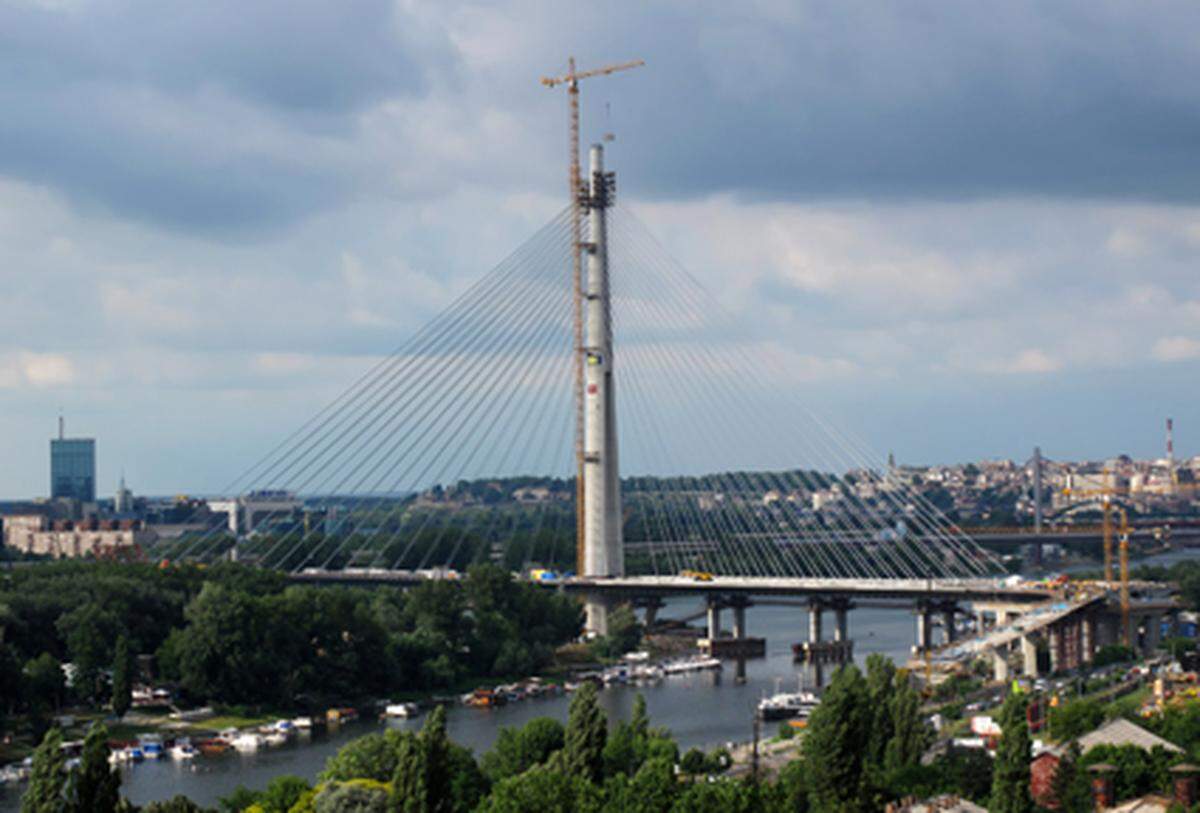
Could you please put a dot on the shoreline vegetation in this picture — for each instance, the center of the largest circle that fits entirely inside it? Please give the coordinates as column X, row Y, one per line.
column 78, row 637
column 586, row 764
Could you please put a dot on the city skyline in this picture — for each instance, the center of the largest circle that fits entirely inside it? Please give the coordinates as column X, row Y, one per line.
column 209, row 236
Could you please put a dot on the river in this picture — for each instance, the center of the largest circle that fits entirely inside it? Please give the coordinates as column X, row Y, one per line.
column 701, row 709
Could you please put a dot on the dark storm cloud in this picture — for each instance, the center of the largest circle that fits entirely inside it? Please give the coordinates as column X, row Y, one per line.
column 916, row 99
column 209, row 116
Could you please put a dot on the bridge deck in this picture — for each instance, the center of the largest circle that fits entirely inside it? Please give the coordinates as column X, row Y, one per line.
column 911, row 589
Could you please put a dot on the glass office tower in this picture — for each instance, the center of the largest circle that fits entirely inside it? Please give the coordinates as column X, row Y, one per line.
column 73, row 468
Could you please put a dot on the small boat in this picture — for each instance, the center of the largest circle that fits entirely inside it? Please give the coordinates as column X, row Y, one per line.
column 486, row 699
column 788, row 706
column 183, row 750
column 228, row 735
column 134, row 754
column 691, row 665
column 275, row 739
column 285, row 727
column 342, row 715
column 302, row 723
column 248, row 741
column 404, row 710
column 152, row 747
column 213, row 747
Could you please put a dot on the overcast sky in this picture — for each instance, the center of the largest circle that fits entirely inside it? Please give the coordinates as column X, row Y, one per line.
column 976, row 224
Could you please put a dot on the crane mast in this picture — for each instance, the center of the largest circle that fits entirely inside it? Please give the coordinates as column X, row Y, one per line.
column 578, row 194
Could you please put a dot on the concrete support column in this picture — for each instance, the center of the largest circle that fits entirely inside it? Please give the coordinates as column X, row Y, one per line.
column 597, row 607
column 814, row 621
column 714, row 619
column 1087, row 649
column 1056, row 641
column 924, row 628
column 1000, row 664
column 1153, row 633
column 841, row 617
column 1029, row 657
column 739, row 621
column 948, row 617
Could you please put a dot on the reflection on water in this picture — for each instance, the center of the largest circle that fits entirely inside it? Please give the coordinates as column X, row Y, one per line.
column 700, row 708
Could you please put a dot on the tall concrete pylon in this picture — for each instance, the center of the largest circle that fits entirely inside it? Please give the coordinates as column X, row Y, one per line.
column 602, row 541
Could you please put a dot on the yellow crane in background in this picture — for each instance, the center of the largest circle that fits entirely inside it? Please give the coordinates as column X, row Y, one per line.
column 1106, row 493
column 571, row 80
column 1124, row 546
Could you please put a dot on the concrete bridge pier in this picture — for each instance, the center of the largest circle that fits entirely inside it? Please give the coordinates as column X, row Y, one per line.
column 1087, row 634
column 1029, row 660
column 949, row 616
column 924, row 626
column 815, row 609
column 650, row 605
column 841, row 616
column 739, row 605
column 714, row 618
column 1000, row 670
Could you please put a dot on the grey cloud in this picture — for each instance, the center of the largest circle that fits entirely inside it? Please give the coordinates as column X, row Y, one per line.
column 213, row 117
column 915, row 100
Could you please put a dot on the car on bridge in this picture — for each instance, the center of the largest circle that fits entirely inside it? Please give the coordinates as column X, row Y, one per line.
column 696, row 575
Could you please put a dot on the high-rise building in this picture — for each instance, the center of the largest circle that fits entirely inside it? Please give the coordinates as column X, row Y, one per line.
column 72, row 467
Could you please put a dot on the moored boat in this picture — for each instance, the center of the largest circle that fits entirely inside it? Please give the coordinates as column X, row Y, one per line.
column 403, row 710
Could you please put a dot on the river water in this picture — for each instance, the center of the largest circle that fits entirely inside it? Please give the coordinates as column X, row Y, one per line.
column 701, row 709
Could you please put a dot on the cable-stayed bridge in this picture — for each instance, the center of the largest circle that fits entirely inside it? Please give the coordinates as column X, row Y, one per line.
column 458, row 448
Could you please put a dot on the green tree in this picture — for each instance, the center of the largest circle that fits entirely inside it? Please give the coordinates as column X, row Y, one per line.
column 1070, row 788
column 281, row 793
column 354, row 796
column 424, row 775
column 1010, row 777
column 47, row 777
column 122, row 680
column 909, row 733
column 880, row 677
column 585, row 735
column 694, row 762
column 44, row 682
column 835, row 744
column 544, row 790
column 518, row 749
column 178, row 804
column 95, row 786
column 410, row 787
column 1074, row 719
column 370, row 757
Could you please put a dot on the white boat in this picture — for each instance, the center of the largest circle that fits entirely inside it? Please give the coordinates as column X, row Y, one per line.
column 275, row 739
column 285, row 727
column 247, row 741
column 691, row 665
column 404, row 710
column 302, row 723
column 183, row 750
column 788, row 706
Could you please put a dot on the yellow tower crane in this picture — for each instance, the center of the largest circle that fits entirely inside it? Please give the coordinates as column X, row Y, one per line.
column 1106, row 493
column 1124, row 547
column 571, row 80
